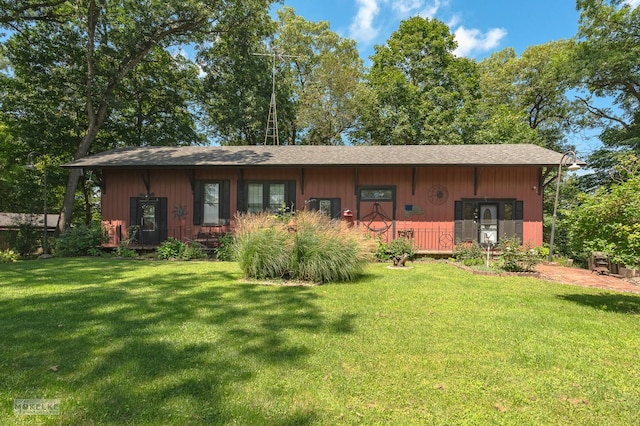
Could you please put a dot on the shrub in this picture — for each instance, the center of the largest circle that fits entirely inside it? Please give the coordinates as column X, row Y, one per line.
column 382, row 250
column 8, row 256
column 193, row 251
column 225, row 250
column 28, row 238
column 469, row 254
column 401, row 246
column 170, row 249
column 395, row 248
column 517, row 258
column 123, row 250
column 80, row 240
column 315, row 249
column 174, row 249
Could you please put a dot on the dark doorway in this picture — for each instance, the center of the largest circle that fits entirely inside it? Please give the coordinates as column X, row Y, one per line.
column 149, row 217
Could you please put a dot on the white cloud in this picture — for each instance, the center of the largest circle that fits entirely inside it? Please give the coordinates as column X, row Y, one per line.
column 632, row 3
column 454, row 21
column 372, row 15
column 375, row 16
column 406, row 7
column 362, row 28
column 473, row 40
column 430, row 11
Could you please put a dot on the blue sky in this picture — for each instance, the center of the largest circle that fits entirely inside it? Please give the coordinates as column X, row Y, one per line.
column 480, row 26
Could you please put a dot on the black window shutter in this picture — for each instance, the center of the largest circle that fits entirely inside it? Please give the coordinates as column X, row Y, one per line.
column 162, row 218
column 519, row 213
column 240, row 202
column 457, row 226
column 519, row 216
column 336, row 210
column 133, row 211
column 457, row 215
column 291, row 195
column 197, row 203
column 225, row 202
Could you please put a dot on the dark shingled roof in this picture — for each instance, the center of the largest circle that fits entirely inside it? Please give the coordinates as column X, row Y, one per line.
column 316, row 156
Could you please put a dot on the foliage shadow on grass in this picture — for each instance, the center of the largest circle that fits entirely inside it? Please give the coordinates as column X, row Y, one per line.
column 107, row 340
column 609, row 302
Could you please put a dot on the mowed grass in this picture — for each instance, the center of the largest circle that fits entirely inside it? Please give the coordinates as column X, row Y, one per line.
column 147, row 342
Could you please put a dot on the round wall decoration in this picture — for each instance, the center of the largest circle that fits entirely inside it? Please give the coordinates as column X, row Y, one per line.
column 179, row 211
column 438, row 194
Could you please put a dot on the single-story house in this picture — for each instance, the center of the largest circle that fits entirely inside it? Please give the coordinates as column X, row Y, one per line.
column 10, row 224
column 437, row 194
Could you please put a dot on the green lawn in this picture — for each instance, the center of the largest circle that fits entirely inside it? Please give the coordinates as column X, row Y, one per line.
column 145, row 342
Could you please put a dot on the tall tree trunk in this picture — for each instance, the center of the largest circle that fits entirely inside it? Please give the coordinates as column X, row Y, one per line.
column 74, row 175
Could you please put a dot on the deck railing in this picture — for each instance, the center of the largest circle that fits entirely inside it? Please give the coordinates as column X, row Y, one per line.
column 427, row 239
column 437, row 238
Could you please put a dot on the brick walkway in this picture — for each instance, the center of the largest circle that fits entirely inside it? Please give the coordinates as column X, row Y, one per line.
column 586, row 278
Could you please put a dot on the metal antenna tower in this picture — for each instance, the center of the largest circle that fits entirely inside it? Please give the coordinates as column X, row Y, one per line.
column 272, row 120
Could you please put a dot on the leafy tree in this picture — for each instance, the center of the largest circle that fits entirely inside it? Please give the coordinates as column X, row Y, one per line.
column 100, row 44
column 316, row 75
column 609, row 54
column 237, row 84
column 609, row 76
column 525, row 99
column 155, row 104
column 417, row 91
column 326, row 70
column 609, row 219
column 17, row 13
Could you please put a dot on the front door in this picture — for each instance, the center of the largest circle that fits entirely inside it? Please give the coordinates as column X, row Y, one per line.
column 149, row 217
column 488, row 224
column 149, row 229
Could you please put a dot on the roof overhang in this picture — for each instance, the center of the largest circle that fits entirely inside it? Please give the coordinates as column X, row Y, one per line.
column 524, row 155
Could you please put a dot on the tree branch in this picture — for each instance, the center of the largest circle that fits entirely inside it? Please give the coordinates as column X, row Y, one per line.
column 599, row 112
column 43, row 11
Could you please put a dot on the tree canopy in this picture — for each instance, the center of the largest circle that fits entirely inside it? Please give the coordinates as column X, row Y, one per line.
column 96, row 49
column 417, row 91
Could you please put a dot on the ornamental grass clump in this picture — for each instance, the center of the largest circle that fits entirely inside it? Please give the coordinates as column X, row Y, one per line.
column 307, row 246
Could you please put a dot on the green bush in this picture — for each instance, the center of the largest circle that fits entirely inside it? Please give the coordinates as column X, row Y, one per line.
column 469, row 254
column 401, row 246
column 170, row 249
column 608, row 221
column 314, row 248
column 123, row 250
column 8, row 256
column 28, row 238
column 517, row 258
column 174, row 249
column 225, row 250
column 80, row 240
column 395, row 248
column 193, row 251
column 382, row 250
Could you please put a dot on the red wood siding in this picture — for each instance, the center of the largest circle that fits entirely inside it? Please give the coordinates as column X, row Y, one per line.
column 418, row 206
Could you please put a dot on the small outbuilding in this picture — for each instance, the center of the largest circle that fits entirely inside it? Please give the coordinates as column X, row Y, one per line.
column 10, row 224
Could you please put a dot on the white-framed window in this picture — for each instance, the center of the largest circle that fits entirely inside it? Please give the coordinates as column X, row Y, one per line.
column 211, row 203
column 275, row 196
